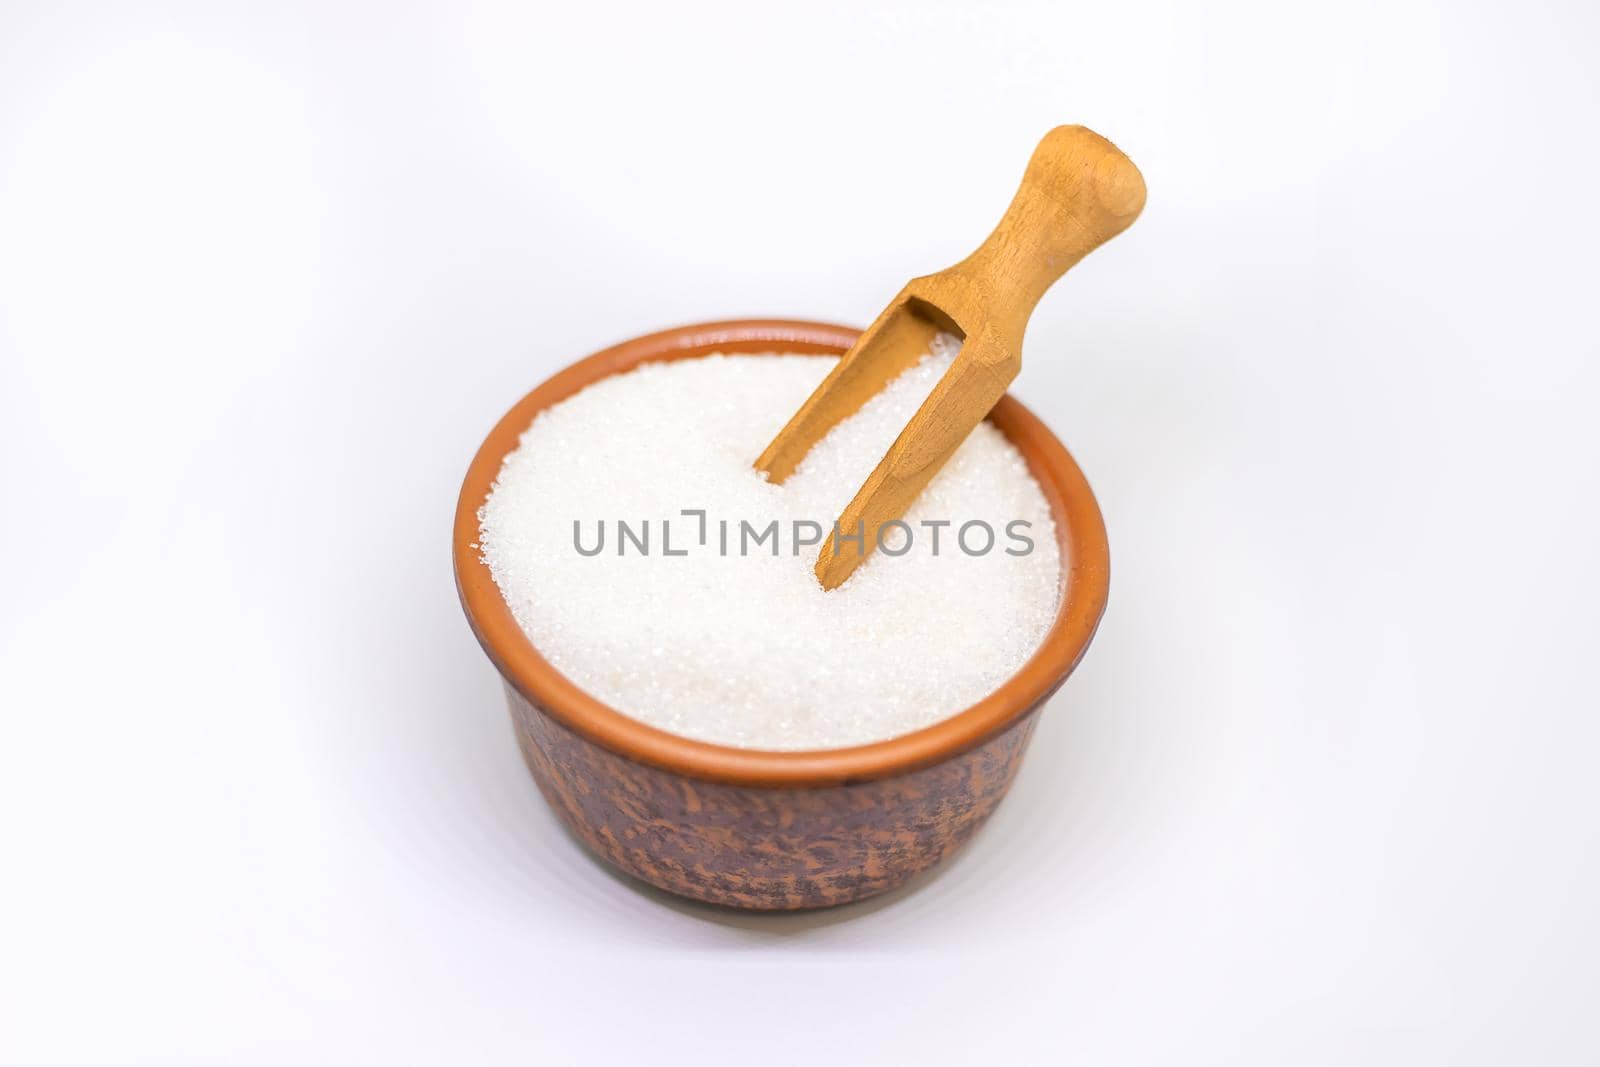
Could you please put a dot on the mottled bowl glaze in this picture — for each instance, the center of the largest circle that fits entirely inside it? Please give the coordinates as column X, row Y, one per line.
column 774, row 830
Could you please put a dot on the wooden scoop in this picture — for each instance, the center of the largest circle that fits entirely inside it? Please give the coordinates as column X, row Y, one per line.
column 1078, row 192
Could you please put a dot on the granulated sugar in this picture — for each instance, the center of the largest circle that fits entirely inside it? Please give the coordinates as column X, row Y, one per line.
column 748, row 650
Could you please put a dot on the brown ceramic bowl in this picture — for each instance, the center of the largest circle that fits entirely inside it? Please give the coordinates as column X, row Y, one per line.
column 774, row 830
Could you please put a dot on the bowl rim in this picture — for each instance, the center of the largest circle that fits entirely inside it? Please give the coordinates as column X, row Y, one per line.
column 1080, row 531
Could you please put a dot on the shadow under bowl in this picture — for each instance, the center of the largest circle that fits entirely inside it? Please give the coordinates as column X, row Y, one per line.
column 774, row 830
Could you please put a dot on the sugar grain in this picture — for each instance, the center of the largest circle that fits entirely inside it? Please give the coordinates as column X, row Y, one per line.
column 744, row 647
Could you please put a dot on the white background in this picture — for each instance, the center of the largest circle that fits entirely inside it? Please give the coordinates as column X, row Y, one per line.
column 1324, row 790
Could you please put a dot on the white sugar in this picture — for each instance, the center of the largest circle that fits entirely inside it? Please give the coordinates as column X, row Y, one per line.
column 747, row 649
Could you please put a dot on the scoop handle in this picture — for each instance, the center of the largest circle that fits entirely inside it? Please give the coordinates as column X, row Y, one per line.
column 1078, row 192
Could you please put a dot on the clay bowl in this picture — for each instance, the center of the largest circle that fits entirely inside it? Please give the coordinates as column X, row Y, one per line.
column 773, row 830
